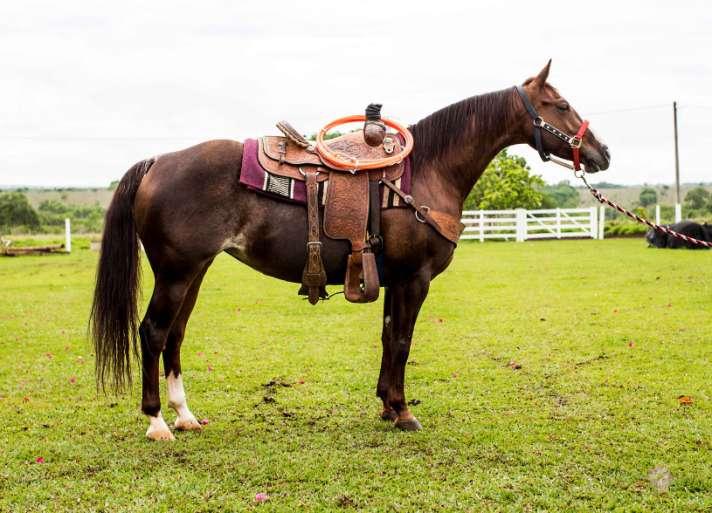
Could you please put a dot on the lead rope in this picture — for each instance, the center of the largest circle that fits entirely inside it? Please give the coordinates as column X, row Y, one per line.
column 602, row 199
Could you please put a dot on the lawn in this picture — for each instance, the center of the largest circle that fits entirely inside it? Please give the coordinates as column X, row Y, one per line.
column 547, row 377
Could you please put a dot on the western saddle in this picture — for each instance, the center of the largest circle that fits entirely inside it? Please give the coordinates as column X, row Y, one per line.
column 351, row 198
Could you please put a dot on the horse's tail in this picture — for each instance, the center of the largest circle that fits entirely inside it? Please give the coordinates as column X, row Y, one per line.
column 114, row 313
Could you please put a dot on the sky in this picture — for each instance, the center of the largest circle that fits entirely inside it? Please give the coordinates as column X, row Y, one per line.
column 88, row 88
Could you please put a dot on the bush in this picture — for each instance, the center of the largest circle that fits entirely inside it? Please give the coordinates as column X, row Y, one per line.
column 624, row 228
column 85, row 219
column 697, row 199
column 505, row 184
column 648, row 197
column 15, row 211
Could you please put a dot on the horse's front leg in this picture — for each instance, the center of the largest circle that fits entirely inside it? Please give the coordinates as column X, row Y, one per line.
column 403, row 302
column 384, row 378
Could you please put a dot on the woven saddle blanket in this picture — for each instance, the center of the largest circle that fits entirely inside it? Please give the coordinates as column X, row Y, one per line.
column 254, row 176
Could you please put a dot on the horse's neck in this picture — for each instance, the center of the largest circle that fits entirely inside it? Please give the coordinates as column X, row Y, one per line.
column 454, row 145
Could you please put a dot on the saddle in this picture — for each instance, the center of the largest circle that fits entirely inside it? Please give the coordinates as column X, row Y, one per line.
column 351, row 201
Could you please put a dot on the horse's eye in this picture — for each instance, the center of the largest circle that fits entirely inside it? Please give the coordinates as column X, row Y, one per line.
column 563, row 107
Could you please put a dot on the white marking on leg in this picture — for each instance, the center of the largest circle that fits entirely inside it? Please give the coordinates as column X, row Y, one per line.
column 176, row 400
column 158, row 429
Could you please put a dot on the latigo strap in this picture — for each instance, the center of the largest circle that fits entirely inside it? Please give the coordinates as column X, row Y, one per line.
column 314, row 275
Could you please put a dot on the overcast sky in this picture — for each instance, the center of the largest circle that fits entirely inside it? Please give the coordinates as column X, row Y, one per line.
column 88, row 88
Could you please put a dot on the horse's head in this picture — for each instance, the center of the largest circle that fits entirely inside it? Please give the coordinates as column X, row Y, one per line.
column 557, row 115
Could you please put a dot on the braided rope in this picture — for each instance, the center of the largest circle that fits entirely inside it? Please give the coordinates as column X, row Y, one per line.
column 602, row 199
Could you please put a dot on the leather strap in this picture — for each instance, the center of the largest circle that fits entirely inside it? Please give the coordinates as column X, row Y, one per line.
column 534, row 115
column 291, row 133
column 314, row 275
column 374, row 217
column 446, row 225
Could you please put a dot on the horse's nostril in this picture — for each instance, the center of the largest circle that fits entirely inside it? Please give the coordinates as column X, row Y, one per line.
column 606, row 152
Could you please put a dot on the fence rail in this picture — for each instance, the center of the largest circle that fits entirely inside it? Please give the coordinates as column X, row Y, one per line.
column 520, row 224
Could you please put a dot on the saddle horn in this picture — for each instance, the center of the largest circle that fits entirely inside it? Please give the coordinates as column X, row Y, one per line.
column 374, row 131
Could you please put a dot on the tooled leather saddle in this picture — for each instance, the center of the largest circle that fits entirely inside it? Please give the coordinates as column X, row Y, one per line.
column 351, row 205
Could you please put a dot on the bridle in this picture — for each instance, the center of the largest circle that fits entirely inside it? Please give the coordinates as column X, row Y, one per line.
column 539, row 124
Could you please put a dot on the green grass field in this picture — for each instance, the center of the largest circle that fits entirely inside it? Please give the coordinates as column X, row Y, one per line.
column 608, row 335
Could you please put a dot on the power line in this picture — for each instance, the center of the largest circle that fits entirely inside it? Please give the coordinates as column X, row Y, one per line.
column 630, row 109
column 119, row 138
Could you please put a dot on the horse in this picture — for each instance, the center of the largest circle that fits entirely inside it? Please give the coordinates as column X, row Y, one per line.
column 188, row 206
column 658, row 239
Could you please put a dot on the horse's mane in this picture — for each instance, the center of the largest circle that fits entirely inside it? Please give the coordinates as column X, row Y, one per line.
column 434, row 134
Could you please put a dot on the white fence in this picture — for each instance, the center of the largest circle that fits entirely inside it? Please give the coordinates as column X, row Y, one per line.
column 521, row 225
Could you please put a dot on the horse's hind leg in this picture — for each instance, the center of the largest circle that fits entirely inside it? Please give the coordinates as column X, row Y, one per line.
column 168, row 294
column 185, row 421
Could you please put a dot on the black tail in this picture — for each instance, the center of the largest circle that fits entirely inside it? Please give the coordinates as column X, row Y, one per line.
column 114, row 313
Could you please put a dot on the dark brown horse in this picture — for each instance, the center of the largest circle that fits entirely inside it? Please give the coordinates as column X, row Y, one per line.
column 188, row 206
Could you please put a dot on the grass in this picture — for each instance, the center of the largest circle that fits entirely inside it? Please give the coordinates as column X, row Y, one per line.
column 608, row 335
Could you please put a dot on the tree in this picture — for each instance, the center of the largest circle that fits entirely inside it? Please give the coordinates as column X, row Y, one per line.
column 697, row 198
column 15, row 210
column 647, row 197
column 506, row 183
column 562, row 195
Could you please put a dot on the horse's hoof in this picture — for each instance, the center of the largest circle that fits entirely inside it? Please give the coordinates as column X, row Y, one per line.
column 408, row 424
column 158, row 429
column 187, row 424
column 164, row 435
column 389, row 414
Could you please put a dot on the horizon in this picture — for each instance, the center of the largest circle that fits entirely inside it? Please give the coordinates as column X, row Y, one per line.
column 576, row 185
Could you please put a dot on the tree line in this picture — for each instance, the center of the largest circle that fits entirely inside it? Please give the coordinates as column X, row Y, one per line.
column 506, row 183
column 18, row 215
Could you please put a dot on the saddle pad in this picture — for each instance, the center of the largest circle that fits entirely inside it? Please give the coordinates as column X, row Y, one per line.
column 254, row 176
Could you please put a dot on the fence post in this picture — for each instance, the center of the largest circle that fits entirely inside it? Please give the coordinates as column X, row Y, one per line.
column 558, row 223
column 601, row 221
column 678, row 212
column 657, row 214
column 482, row 226
column 67, row 236
column 521, row 224
column 593, row 216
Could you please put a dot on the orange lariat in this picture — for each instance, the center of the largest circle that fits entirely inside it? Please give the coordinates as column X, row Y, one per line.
column 349, row 163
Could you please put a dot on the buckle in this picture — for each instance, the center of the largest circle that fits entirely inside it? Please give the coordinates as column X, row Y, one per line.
column 576, row 142
column 538, row 121
column 420, row 218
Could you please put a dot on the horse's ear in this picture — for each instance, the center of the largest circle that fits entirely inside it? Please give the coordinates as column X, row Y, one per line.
column 540, row 79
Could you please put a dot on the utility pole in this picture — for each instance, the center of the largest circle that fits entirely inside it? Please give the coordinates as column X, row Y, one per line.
column 677, row 156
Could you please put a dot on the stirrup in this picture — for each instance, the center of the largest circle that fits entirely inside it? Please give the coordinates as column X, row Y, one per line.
column 361, row 284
